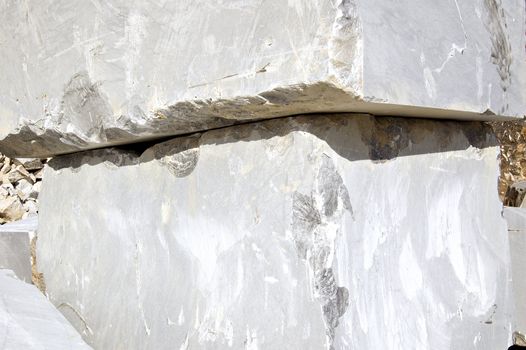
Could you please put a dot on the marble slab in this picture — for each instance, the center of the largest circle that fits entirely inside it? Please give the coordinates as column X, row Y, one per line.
column 85, row 74
column 313, row 232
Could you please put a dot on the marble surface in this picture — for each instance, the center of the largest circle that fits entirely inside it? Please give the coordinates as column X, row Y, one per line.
column 516, row 219
column 320, row 232
column 85, row 74
column 29, row 321
column 15, row 254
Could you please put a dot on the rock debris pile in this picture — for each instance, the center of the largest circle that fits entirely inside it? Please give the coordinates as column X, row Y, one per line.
column 512, row 139
column 20, row 181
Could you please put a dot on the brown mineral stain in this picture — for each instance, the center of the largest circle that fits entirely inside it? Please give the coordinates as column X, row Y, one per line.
column 36, row 277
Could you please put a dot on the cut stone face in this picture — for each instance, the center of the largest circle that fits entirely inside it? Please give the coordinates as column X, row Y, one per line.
column 15, row 254
column 29, row 321
column 304, row 233
column 516, row 218
column 82, row 74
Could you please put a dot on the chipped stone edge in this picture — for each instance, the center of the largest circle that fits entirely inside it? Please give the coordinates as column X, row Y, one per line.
column 34, row 139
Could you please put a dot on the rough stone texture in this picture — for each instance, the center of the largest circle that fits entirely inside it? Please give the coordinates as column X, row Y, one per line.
column 30, row 163
column 15, row 253
column 29, row 321
column 82, row 74
column 20, row 181
column 515, row 195
column 301, row 233
column 516, row 218
column 11, row 209
column 518, row 339
column 512, row 139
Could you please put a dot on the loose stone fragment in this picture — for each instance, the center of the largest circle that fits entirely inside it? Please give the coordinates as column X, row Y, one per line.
column 21, row 184
column 6, row 167
column 11, row 209
column 29, row 163
column 24, row 189
column 519, row 339
column 17, row 174
column 38, row 174
column 35, row 190
column 30, row 208
column 3, row 192
column 515, row 194
column 7, row 187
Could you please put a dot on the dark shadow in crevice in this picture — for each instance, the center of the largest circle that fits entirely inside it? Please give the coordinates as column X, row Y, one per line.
column 385, row 138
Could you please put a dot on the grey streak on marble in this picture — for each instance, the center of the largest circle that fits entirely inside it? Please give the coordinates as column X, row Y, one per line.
column 15, row 254
column 312, row 215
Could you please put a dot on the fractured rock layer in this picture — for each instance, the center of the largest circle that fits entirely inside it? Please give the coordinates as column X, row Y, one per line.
column 516, row 220
column 20, row 181
column 81, row 74
column 329, row 231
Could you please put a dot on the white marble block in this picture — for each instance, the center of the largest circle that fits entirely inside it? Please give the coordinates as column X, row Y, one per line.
column 329, row 231
column 29, row 321
column 81, row 74
column 516, row 219
column 15, row 251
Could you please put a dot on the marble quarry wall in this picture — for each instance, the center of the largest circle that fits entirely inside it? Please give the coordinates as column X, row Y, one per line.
column 262, row 175
column 333, row 231
column 20, row 182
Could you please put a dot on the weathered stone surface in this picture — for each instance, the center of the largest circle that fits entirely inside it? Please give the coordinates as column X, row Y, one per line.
column 516, row 218
column 29, row 163
column 35, row 190
column 17, row 173
column 29, row 321
column 82, row 74
column 15, row 241
column 38, row 174
column 346, row 231
column 519, row 339
column 24, row 189
column 11, row 209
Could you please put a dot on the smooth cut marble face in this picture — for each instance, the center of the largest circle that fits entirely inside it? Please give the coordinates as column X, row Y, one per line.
column 312, row 232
